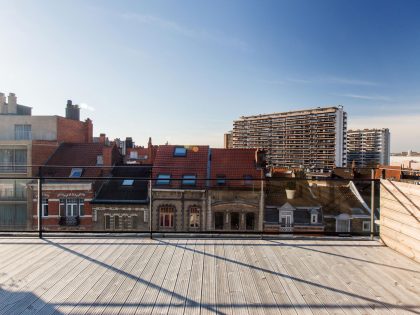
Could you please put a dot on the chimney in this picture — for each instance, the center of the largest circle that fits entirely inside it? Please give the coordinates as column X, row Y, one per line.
column 102, row 138
column 3, row 106
column 12, row 103
column 150, row 156
column 72, row 111
column 129, row 143
column 88, row 131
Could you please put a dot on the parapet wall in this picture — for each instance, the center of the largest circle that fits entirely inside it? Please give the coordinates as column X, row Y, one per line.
column 400, row 217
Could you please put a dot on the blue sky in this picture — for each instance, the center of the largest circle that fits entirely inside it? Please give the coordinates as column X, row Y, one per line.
column 182, row 71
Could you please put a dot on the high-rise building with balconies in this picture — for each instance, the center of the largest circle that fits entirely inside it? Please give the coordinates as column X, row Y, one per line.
column 368, row 147
column 313, row 139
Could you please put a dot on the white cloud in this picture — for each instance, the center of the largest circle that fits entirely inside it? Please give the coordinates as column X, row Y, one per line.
column 213, row 36
column 87, row 107
column 366, row 97
column 348, row 81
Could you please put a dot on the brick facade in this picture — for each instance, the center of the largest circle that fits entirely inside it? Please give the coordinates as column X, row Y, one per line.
column 74, row 131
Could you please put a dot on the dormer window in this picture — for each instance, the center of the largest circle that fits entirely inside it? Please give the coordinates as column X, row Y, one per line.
column 163, row 179
column 76, row 172
column 99, row 160
column 189, row 180
column 134, row 155
column 128, row 182
column 180, row 151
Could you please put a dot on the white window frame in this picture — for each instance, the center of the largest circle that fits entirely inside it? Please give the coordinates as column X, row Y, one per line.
column 363, row 226
column 194, row 221
column 44, row 206
column 314, row 218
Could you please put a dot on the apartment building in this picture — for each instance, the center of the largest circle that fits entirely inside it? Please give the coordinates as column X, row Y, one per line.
column 314, row 139
column 368, row 147
column 29, row 140
column 227, row 140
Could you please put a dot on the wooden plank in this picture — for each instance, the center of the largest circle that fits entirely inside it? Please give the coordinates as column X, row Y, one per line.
column 31, row 267
column 406, row 188
column 179, row 297
column 401, row 228
column 393, row 204
column 223, row 299
column 208, row 291
column 313, row 286
column 122, row 268
column 165, row 294
column 67, row 303
column 54, row 286
column 260, row 272
column 400, row 217
column 143, row 281
column 129, row 284
column 148, row 299
column 252, row 296
column 192, row 305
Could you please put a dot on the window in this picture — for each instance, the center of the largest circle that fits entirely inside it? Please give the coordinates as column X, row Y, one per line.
column 72, row 207
column 221, row 180
column 99, row 160
column 133, row 155
column 247, row 179
column 13, row 160
column 107, row 222
column 134, row 222
column 366, row 226
column 44, row 207
column 116, row 222
column 180, row 151
column 23, row 132
column 128, row 182
column 314, row 218
column 76, row 172
column 163, row 179
column 194, row 217
column 125, row 222
column 188, row 180
column 166, row 217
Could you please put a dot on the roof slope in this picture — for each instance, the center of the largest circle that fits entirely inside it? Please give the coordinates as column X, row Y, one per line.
column 72, row 155
column 194, row 163
column 114, row 192
column 233, row 164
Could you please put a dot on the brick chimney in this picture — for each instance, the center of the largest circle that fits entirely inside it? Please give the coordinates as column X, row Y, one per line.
column 88, row 131
column 150, row 150
column 12, row 103
column 102, row 138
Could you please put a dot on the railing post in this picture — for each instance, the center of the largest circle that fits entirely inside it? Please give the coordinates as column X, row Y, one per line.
column 150, row 209
column 372, row 206
column 40, row 204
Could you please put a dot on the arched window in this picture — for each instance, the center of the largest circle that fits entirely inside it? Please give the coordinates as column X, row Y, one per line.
column 194, row 217
column 166, row 216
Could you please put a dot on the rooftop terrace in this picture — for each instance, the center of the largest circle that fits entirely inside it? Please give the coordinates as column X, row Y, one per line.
column 130, row 275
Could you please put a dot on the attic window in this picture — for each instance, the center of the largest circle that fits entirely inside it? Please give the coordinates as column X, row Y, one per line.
column 128, row 182
column 180, row 151
column 188, row 180
column 76, row 172
column 133, row 155
column 221, row 180
column 163, row 179
column 99, row 160
column 314, row 218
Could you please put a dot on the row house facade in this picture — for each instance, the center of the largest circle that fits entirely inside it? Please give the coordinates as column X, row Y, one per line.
column 66, row 200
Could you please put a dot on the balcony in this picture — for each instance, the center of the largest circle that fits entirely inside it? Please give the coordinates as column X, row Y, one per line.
column 69, row 221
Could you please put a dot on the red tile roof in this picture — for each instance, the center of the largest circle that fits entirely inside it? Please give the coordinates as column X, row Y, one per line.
column 72, row 155
column 233, row 164
column 194, row 163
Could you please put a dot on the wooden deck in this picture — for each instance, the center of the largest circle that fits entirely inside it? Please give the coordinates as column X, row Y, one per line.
column 210, row 276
